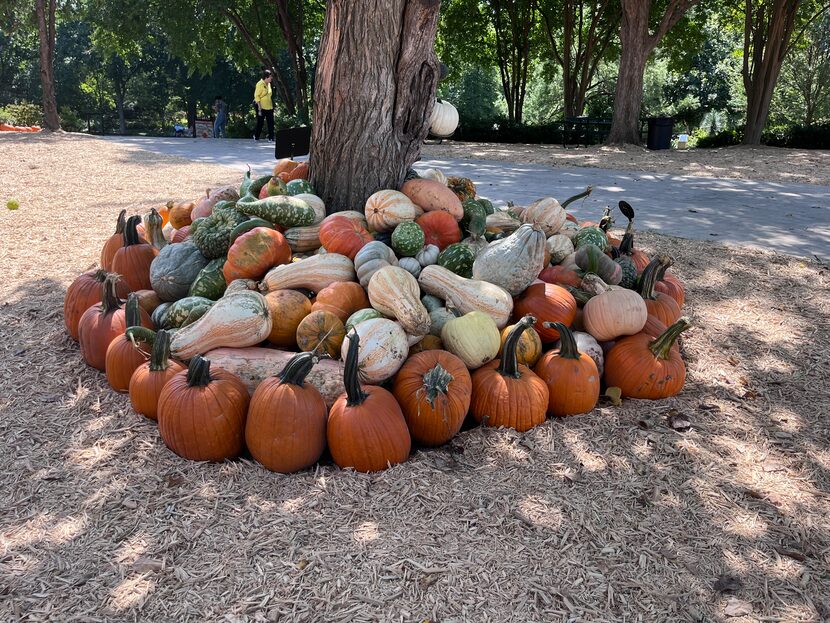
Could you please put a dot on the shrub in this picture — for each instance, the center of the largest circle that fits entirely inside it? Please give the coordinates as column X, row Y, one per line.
column 23, row 113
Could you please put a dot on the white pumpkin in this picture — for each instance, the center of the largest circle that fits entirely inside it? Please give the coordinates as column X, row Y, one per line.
column 559, row 246
column 384, row 347
column 411, row 265
column 371, row 258
column 433, row 174
column 428, row 255
column 386, row 209
column 547, row 214
column 444, row 119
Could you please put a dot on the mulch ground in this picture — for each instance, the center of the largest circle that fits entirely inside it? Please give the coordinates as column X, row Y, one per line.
column 710, row 506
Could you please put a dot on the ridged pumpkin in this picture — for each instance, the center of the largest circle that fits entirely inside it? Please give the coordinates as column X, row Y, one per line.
column 132, row 261
column 286, row 425
column 371, row 258
column 174, row 270
column 322, row 332
column 287, row 308
column 529, row 348
column 128, row 351
column 614, row 313
column 506, row 393
column 342, row 299
column 149, row 378
column 433, row 390
column 201, row 413
column 366, row 428
column 440, row 229
column 82, row 294
column 571, row 376
column 340, row 234
column 254, row 253
column 549, row 303
column 644, row 367
column 386, row 209
column 545, row 213
column 114, row 242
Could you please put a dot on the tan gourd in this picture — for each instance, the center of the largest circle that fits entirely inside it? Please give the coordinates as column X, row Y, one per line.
column 395, row 293
column 513, row 262
column 313, row 273
column 467, row 295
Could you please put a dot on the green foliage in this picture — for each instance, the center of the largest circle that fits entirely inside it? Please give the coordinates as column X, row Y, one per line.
column 21, row 114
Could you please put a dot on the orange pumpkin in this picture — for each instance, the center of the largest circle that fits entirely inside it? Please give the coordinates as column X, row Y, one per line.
column 300, row 172
column 132, row 261
column 321, row 331
column 440, row 228
column 285, row 165
column 287, row 309
column 150, row 378
column 254, row 253
column 114, row 242
column 572, row 377
column 340, row 234
column 561, row 275
column 126, row 352
column 342, row 299
column 433, row 391
column 82, row 294
column 529, row 348
column 658, row 304
column 549, row 303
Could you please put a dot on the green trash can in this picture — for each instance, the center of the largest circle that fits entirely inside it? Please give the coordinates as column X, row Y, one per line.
column 660, row 132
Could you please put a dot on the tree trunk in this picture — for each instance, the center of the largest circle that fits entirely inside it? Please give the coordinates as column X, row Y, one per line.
column 46, row 32
column 119, row 106
column 768, row 29
column 373, row 95
column 636, row 45
column 634, row 52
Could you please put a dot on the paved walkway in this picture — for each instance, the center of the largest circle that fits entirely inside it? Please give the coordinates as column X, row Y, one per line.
column 789, row 218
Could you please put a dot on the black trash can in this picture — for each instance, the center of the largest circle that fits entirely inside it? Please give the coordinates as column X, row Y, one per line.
column 660, row 132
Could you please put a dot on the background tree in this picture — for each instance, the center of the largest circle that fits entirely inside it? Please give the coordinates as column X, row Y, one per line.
column 637, row 43
column 375, row 88
column 579, row 34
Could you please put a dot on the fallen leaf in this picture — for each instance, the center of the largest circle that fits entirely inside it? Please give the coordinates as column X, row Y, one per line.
column 727, row 584
column 615, row 394
column 737, row 607
column 144, row 565
column 679, row 422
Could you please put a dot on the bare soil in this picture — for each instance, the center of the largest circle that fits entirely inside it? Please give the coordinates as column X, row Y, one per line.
column 624, row 514
column 773, row 164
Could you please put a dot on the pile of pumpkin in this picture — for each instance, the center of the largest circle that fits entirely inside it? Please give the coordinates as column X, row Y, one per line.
column 8, row 127
column 363, row 331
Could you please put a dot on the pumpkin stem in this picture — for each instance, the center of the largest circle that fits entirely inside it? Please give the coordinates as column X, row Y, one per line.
column 665, row 262
column 198, row 372
column 155, row 234
column 648, row 279
column 607, row 220
column 627, row 242
column 570, row 200
column 437, row 382
column 132, row 312
column 130, row 233
column 661, row 347
column 109, row 294
column 354, row 394
column 140, row 334
column 509, row 365
column 567, row 342
column 297, row 368
column 594, row 285
column 160, row 357
column 122, row 220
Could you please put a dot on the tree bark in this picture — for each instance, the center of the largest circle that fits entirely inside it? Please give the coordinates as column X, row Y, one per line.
column 46, row 32
column 768, row 29
column 373, row 95
column 512, row 22
column 636, row 45
column 119, row 105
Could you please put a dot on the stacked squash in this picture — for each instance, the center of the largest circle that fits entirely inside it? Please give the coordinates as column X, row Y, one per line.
column 255, row 320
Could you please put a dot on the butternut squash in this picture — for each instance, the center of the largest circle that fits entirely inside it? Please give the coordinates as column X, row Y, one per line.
column 514, row 262
column 467, row 295
column 314, row 273
column 395, row 293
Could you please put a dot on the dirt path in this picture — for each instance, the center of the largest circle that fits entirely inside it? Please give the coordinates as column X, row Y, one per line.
column 614, row 516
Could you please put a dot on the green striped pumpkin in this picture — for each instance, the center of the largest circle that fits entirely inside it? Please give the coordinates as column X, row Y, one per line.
column 590, row 235
column 210, row 282
column 458, row 258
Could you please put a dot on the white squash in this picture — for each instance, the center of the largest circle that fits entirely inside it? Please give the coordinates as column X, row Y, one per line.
column 547, row 214
column 383, row 349
column 513, row 262
column 467, row 295
column 386, row 209
column 473, row 338
column 395, row 293
column 313, row 273
column 433, row 174
column 559, row 246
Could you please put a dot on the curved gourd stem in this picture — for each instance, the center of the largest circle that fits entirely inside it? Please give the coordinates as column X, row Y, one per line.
column 122, row 220
column 160, row 357
column 132, row 312
column 627, row 210
column 297, row 369
column 354, row 394
column 155, row 234
column 130, row 233
column 141, row 334
column 627, row 242
column 576, row 197
column 198, row 372
column 567, row 346
column 436, row 383
column 665, row 262
column 661, row 347
column 509, row 365
column 649, row 277
column 109, row 294
column 606, row 221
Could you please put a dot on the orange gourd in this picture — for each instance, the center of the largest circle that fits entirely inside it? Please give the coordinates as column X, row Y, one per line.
column 342, row 299
column 150, row 378
column 287, row 309
column 321, row 331
column 132, row 261
column 572, row 377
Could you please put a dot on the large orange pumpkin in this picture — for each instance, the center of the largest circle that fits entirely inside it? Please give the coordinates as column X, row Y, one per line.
column 506, row 393
column 132, row 261
column 254, row 253
column 287, row 309
column 644, row 367
column 366, row 428
column 572, row 377
column 128, row 351
column 286, row 426
column 82, row 294
column 150, row 378
column 433, row 391
column 201, row 413
column 549, row 303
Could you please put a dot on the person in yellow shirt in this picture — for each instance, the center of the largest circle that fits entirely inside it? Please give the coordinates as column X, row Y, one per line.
column 264, row 105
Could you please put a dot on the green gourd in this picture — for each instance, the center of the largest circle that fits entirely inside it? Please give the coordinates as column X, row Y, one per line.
column 210, row 282
column 407, row 239
column 458, row 258
column 174, row 269
column 213, row 234
column 280, row 210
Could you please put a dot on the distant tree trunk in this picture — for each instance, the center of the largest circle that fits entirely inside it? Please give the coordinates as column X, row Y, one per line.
column 513, row 22
column 585, row 38
column 767, row 33
column 292, row 31
column 373, row 95
column 46, row 32
column 636, row 46
column 119, row 106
